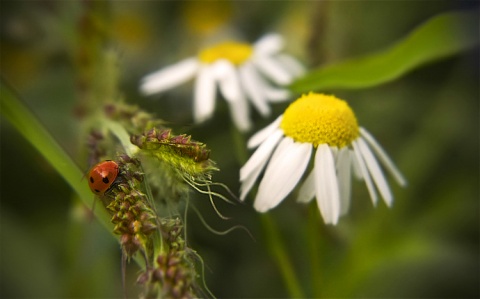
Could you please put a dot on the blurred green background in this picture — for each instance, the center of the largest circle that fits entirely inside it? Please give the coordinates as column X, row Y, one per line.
column 427, row 245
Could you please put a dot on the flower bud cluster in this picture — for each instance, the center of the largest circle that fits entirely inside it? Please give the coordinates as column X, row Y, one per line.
column 182, row 144
column 161, row 171
column 180, row 161
column 133, row 216
column 174, row 274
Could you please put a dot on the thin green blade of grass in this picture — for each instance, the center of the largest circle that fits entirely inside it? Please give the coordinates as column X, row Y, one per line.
column 440, row 37
column 28, row 125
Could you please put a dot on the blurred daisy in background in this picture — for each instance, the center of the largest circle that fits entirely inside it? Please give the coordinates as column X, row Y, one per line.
column 206, row 20
column 326, row 126
column 243, row 73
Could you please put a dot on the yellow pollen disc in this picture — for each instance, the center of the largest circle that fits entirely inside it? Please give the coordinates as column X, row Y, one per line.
column 320, row 119
column 236, row 53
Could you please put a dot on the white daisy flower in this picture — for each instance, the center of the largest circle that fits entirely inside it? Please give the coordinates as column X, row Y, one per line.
column 242, row 72
column 325, row 126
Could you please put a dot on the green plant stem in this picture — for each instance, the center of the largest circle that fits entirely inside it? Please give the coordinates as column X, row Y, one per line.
column 28, row 125
column 274, row 241
column 313, row 235
column 277, row 250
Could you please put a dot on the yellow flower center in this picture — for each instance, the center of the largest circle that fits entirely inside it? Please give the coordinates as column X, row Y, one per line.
column 320, row 119
column 236, row 53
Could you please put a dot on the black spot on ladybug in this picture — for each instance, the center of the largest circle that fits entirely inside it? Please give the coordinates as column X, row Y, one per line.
column 91, row 180
column 105, row 180
column 98, row 191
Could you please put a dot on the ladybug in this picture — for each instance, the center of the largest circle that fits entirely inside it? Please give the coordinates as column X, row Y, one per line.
column 102, row 176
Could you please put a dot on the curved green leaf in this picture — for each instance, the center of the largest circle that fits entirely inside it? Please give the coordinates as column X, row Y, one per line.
column 442, row 36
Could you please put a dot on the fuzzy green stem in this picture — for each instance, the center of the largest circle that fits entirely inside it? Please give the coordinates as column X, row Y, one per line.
column 277, row 249
column 122, row 136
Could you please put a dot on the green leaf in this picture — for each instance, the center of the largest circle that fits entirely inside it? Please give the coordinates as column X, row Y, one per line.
column 440, row 37
column 27, row 124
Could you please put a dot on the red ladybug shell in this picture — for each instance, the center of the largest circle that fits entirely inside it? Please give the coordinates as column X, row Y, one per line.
column 102, row 176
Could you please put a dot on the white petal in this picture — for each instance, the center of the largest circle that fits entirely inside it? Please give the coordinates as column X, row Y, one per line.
column 344, row 178
column 375, row 171
column 248, row 183
column 273, row 70
column 307, row 190
column 240, row 114
column 364, row 172
column 326, row 185
column 263, row 134
column 261, row 155
column 228, row 80
column 356, row 167
column 281, row 150
column 386, row 161
column 204, row 95
column 229, row 83
column 269, row 92
column 254, row 166
column 334, row 151
column 285, row 169
column 276, row 95
column 293, row 66
column 250, row 80
column 169, row 76
column 269, row 44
